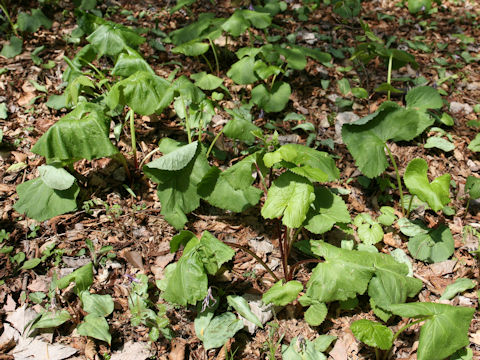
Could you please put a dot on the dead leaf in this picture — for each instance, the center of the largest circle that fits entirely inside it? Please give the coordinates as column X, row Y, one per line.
column 443, row 268
column 133, row 351
column 90, row 350
column 34, row 349
column 178, row 349
column 134, row 258
column 41, row 283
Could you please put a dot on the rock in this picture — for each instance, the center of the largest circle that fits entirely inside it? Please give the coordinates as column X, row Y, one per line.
column 456, row 108
column 342, row 118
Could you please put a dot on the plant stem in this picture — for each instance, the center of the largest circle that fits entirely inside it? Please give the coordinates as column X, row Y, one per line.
column 210, row 148
column 4, row 9
column 389, row 74
column 131, row 114
column 262, row 179
column 187, row 123
column 212, row 45
column 410, row 205
column 208, row 63
column 282, row 251
column 297, row 264
column 255, row 256
column 405, row 327
column 148, row 156
column 399, row 180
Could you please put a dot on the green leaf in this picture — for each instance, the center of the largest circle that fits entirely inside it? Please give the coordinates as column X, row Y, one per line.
column 388, row 216
column 282, row 294
column 373, row 334
column 177, row 159
column 462, row 354
column 422, row 98
column 290, row 196
column 360, row 93
column 216, row 188
column 99, row 305
column 191, row 48
column 475, row 144
column 32, row 23
column 57, row 102
column 369, row 231
column 445, row 329
column 220, row 329
column 95, row 327
column 51, row 319
column 112, row 39
column 3, row 113
column 40, row 202
column 30, row 264
column 366, row 138
column 240, row 127
column 435, row 246
column 259, row 20
column 436, row 193
column 411, row 228
column 459, row 286
column 206, row 81
column 314, row 165
column 81, row 134
column 473, row 187
column 415, row 6
column 242, row 72
column 12, row 48
column 242, row 307
column 439, row 143
column 82, row 277
column 177, row 190
column 236, row 24
column 302, row 349
column 344, row 86
column 273, row 100
column 316, row 314
column 56, row 178
column 325, row 211
column 144, row 92
column 186, row 281
column 129, row 63
column 346, row 273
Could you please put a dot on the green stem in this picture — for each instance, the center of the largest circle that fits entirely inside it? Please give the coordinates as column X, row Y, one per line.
column 4, row 9
column 405, row 327
column 213, row 142
column 212, row 45
column 208, row 63
column 399, row 180
column 255, row 256
column 187, row 123
column 131, row 115
column 410, row 205
column 389, row 74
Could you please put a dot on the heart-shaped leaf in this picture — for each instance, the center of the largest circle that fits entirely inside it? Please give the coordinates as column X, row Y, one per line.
column 242, row 72
column 95, row 327
column 273, row 100
column 112, row 39
column 435, row 246
column 445, row 329
column 206, row 81
column 436, row 193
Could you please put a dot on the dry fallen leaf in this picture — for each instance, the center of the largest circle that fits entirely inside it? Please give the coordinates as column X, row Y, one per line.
column 133, row 351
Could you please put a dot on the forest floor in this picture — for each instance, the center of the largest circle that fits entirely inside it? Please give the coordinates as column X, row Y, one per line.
column 139, row 235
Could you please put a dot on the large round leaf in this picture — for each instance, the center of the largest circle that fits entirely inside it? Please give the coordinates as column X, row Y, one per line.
column 81, row 134
column 56, row 178
column 373, row 334
column 273, row 100
column 111, row 39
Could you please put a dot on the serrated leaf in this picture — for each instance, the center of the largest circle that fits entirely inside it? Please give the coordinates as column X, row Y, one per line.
column 144, row 92
column 40, row 202
column 111, row 39
column 242, row 307
column 81, row 134
column 95, row 327
column 435, row 246
column 220, row 329
column 273, row 100
column 445, row 329
column 177, row 190
column 436, row 193
column 82, row 277
column 373, row 334
column 51, row 319
column 289, row 196
column 99, row 305
column 282, row 294
column 325, row 211
column 314, row 165
column 186, row 281
column 316, row 314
